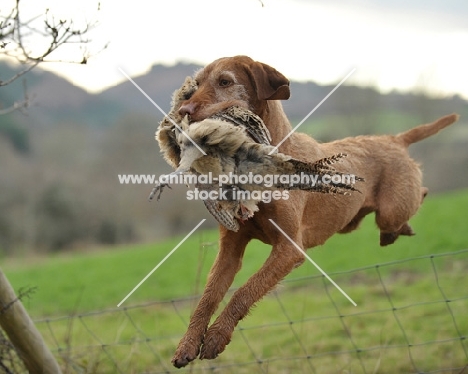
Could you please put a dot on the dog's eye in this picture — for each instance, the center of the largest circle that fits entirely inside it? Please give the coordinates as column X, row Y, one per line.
column 224, row 82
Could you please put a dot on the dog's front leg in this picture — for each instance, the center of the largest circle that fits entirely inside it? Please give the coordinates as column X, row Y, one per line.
column 282, row 260
column 227, row 264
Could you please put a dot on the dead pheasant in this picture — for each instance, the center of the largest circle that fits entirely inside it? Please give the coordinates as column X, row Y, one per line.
column 235, row 141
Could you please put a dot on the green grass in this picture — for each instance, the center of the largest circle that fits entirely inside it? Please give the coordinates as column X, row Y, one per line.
column 338, row 126
column 100, row 279
column 97, row 280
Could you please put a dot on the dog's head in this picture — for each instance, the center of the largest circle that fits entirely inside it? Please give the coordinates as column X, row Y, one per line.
column 232, row 81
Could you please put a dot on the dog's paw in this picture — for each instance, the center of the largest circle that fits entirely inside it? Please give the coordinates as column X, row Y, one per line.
column 387, row 238
column 214, row 343
column 186, row 352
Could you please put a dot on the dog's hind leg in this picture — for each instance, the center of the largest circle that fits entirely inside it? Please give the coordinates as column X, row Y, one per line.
column 356, row 221
column 387, row 238
column 424, row 192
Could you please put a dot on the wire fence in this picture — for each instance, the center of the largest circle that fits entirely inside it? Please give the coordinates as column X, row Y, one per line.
column 412, row 317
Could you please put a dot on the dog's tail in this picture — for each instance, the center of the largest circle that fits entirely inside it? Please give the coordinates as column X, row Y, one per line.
column 424, row 131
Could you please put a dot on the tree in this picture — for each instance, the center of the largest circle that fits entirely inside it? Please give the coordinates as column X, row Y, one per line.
column 17, row 37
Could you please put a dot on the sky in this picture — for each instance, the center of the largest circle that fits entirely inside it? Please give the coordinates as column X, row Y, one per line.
column 402, row 45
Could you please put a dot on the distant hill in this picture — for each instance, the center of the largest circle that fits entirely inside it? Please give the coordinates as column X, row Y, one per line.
column 60, row 158
column 159, row 83
column 55, row 99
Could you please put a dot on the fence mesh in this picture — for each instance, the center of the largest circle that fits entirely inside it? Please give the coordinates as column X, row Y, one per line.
column 412, row 317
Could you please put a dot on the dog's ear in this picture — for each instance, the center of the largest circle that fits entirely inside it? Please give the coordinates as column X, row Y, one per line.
column 270, row 83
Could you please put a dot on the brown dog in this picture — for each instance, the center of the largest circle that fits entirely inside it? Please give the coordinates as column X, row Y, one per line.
column 392, row 189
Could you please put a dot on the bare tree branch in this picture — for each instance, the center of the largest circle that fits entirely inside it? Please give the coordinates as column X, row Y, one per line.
column 14, row 35
column 19, row 74
column 19, row 104
column 22, row 293
column 17, row 37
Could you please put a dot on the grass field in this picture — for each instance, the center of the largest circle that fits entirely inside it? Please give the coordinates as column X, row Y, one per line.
column 98, row 279
column 302, row 319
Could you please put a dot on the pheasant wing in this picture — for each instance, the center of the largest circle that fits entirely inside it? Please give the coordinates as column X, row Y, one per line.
column 223, row 216
column 252, row 123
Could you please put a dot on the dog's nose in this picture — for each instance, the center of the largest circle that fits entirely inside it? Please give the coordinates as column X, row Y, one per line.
column 187, row 108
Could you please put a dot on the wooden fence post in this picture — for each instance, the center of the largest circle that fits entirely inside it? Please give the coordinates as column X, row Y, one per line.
column 22, row 333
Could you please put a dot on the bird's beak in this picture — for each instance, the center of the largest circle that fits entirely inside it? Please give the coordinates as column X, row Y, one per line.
column 185, row 123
